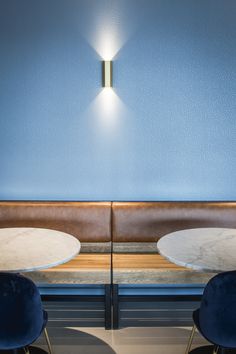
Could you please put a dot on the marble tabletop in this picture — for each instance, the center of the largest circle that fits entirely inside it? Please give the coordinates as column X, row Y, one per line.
column 29, row 249
column 202, row 249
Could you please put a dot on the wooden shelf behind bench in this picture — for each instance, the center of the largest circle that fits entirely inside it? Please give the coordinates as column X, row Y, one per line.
column 142, row 261
column 152, row 269
column 83, row 269
column 126, row 268
column 85, row 261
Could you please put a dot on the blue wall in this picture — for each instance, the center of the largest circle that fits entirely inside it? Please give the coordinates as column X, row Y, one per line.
column 166, row 132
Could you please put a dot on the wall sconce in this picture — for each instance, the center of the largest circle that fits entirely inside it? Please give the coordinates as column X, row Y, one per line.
column 107, row 73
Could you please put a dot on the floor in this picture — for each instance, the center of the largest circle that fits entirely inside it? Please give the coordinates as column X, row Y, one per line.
column 146, row 328
column 130, row 340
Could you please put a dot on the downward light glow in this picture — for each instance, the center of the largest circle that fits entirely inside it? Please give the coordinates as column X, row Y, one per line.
column 107, row 112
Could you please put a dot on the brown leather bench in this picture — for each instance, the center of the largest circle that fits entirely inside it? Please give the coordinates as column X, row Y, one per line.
column 136, row 228
column 90, row 222
column 133, row 227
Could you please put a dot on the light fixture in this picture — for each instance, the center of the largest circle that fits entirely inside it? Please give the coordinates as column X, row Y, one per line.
column 107, row 73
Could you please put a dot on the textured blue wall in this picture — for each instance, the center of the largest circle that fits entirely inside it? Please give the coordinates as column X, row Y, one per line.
column 166, row 132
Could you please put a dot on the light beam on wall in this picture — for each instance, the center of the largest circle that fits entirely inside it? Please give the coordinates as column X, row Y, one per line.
column 107, row 112
column 107, row 25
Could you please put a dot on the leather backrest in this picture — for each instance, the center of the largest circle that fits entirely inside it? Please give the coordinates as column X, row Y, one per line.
column 131, row 221
column 148, row 221
column 88, row 221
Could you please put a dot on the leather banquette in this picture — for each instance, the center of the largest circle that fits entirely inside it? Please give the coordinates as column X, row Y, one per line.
column 133, row 228
column 90, row 222
column 137, row 226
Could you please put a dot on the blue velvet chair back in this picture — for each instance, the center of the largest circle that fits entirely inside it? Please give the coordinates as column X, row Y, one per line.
column 217, row 315
column 21, row 313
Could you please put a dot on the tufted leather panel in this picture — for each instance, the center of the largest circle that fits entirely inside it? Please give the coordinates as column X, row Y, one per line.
column 88, row 221
column 148, row 221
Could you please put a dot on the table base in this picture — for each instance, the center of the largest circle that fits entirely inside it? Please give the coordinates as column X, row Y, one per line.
column 208, row 349
column 33, row 350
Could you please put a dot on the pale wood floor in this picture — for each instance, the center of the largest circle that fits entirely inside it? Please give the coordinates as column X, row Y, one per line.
column 69, row 337
column 154, row 340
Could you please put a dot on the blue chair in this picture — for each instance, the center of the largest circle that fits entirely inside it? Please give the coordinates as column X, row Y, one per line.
column 216, row 317
column 22, row 318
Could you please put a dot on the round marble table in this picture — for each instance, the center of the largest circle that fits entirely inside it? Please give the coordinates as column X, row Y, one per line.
column 204, row 250
column 30, row 249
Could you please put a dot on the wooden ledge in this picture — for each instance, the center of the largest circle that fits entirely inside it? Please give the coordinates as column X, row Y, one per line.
column 142, row 261
column 153, row 269
column 84, row 261
column 83, row 269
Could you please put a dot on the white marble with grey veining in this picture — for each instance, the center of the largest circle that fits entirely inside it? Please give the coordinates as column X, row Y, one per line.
column 203, row 249
column 29, row 249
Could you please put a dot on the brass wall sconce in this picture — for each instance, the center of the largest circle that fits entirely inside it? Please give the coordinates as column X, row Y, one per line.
column 107, row 73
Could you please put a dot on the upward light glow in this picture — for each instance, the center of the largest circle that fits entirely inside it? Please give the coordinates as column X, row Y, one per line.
column 107, row 26
column 107, row 44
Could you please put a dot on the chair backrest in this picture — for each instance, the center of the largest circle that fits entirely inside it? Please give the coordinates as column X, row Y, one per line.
column 21, row 313
column 217, row 315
